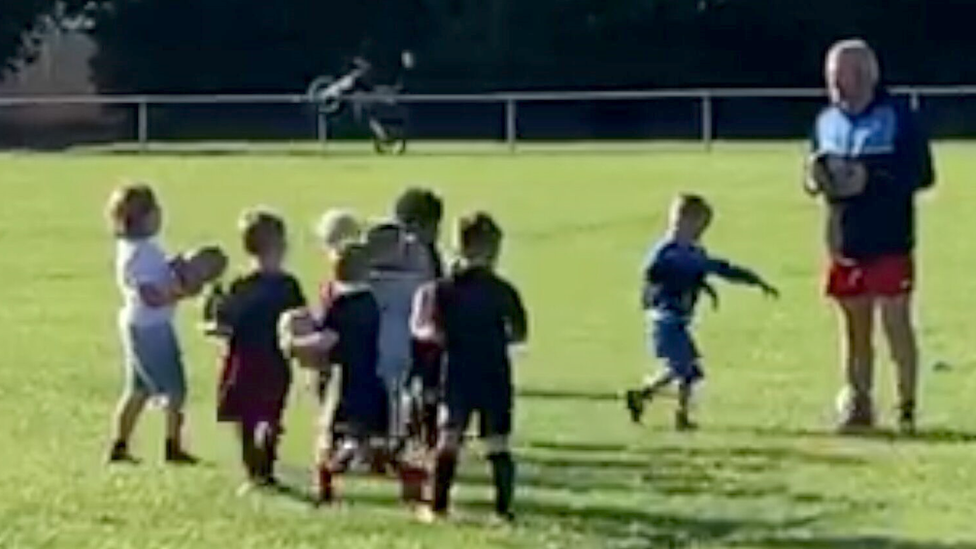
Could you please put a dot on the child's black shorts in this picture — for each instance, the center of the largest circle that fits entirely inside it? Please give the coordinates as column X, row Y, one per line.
column 494, row 409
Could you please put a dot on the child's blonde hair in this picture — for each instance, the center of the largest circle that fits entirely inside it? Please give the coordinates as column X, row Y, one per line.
column 261, row 229
column 337, row 227
column 127, row 208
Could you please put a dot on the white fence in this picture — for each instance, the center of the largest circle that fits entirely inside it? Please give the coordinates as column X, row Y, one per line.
column 510, row 102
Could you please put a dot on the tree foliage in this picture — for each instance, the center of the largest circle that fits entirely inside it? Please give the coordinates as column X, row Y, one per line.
column 476, row 45
column 22, row 23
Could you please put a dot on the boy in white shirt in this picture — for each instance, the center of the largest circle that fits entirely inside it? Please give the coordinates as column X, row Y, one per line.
column 150, row 289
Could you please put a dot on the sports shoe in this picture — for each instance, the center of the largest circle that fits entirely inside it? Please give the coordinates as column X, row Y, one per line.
column 503, row 519
column 178, row 456
column 119, row 455
column 683, row 423
column 857, row 414
column 635, row 405
column 426, row 515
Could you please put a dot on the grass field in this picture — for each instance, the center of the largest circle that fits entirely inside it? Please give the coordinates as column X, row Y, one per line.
column 765, row 472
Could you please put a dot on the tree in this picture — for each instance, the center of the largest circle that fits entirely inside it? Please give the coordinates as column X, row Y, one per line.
column 480, row 45
column 22, row 23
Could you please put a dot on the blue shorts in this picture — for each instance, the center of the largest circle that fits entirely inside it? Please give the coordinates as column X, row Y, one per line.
column 154, row 363
column 671, row 341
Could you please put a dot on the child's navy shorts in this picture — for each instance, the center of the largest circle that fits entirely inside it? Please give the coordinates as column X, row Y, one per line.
column 671, row 341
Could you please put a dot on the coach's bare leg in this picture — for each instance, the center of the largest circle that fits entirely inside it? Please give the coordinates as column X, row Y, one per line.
column 127, row 414
column 896, row 316
column 857, row 358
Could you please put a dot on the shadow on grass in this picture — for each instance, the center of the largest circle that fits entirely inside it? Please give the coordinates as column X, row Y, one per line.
column 854, row 542
column 931, row 436
column 587, row 490
column 620, row 526
column 546, row 394
column 733, row 473
column 741, row 456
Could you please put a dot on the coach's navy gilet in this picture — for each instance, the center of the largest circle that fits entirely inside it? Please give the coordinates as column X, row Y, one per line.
column 887, row 139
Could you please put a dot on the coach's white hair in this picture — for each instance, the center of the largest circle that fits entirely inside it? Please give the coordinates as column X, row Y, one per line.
column 858, row 47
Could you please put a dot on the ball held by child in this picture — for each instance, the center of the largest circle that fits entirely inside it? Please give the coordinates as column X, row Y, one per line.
column 300, row 338
column 196, row 268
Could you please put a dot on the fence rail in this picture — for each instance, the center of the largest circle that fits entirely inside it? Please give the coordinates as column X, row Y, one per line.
column 510, row 102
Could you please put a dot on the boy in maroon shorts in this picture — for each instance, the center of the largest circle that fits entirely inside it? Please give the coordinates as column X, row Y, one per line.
column 255, row 378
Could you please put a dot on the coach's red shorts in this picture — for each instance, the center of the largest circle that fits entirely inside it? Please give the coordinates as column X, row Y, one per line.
column 886, row 276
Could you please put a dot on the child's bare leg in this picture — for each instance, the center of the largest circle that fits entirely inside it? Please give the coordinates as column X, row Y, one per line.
column 266, row 436
column 683, row 420
column 245, row 431
column 636, row 398
column 503, row 474
column 175, row 453
column 653, row 385
column 334, row 461
column 127, row 413
column 445, row 468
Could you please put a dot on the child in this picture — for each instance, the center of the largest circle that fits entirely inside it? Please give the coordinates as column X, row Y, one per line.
column 255, row 378
column 399, row 266
column 476, row 316
column 420, row 212
column 675, row 271
column 150, row 292
column 335, row 229
column 360, row 417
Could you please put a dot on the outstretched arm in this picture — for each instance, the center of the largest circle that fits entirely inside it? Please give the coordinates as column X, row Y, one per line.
column 739, row 275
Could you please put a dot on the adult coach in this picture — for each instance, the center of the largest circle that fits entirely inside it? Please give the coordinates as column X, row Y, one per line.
column 874, row 140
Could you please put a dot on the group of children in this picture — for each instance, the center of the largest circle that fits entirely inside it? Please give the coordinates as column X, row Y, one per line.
column 412, row 351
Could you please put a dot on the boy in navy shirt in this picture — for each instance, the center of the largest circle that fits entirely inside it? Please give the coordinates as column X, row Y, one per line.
column 360, row 418
column 475, row 315
column 255, row 378
column 675, row 271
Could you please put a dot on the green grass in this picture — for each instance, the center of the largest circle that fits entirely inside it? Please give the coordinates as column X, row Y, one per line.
column 764, row 473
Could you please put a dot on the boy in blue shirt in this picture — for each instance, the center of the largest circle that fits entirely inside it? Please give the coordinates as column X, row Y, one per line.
column 675, row 272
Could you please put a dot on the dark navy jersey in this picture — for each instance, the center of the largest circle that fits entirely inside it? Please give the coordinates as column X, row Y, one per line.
column 436, row 261
column 675, row 273
column 887, row 139
column 251, row 309
column 355, row 317
column 479, row 314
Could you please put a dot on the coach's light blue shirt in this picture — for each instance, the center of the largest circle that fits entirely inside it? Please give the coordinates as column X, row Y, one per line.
column 887, row 139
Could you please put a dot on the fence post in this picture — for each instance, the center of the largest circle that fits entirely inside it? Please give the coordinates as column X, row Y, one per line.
column 707, row 122
column 511, row 126
column 914, row 100
column 322, row 128
column 143, row 121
